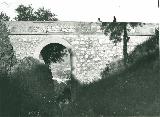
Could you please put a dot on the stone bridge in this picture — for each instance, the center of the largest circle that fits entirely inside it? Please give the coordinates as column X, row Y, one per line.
column 90, row 49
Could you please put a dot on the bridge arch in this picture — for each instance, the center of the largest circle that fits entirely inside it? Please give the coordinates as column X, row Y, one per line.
column 58, row 40
column 49, row 41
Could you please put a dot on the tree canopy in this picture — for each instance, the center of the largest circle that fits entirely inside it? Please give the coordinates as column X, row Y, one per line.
column 43, row 14
column 118, row 31
column 53, row 53
column 27, row 13
column 4, row 17
column 24, row 13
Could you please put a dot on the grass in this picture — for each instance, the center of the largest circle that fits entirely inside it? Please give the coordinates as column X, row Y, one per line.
column 29, row 89
column 134, row 91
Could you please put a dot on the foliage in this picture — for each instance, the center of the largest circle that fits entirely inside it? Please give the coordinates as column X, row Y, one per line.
column 53, row 53
column 27, row 13
column 146, row 48
column 133, row 91
column 24, row 13
column 7, row 58
column 44, row 15
column 119, row 31
column 4, row 17
column 31, row 91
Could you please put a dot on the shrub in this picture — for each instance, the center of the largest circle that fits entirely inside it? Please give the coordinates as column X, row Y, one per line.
column 7, row 57
column 147, row 48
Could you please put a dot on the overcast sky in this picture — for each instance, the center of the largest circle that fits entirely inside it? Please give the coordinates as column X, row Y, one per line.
column 90, row 10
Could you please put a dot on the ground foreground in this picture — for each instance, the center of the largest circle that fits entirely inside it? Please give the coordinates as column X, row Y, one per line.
column 134, row 91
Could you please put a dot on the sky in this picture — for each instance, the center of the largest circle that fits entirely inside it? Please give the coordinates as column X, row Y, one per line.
column 91, row 10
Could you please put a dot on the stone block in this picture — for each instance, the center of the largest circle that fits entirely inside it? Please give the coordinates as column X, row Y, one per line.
column 75, row 42
column 88, row 46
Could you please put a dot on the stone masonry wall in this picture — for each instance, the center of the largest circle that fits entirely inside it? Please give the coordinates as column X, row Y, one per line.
column 93, row 50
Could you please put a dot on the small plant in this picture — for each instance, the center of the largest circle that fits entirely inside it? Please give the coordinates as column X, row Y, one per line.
column 105, row 73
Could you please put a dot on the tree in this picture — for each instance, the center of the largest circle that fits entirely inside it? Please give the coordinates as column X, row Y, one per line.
column 27, row 13
column 7, row 57
column 45, row 15
column 119, row 31
column 4, row 17
column 53, row 53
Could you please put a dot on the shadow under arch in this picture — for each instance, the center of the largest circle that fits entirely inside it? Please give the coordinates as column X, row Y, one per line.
column 56, row 39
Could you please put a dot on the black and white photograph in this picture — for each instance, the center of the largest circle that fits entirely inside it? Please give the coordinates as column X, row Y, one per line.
column 79, row 58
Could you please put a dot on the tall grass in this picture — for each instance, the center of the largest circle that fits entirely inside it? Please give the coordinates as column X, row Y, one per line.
column 29, row 90
column 131, row 92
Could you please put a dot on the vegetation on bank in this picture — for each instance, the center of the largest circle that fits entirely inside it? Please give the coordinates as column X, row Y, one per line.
column 118, row 31
column 7, row 57
column 131, row 92
column 27, row 88
column 135, row 91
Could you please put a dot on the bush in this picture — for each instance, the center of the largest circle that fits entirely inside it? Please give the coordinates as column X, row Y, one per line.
column 147, row 48
column 31, row 91
column 34, row 86
column 144, row 50
column 7, row 57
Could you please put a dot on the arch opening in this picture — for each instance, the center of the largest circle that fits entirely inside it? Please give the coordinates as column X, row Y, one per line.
column 50, row 41
column 53, row 52
column 57, row 57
